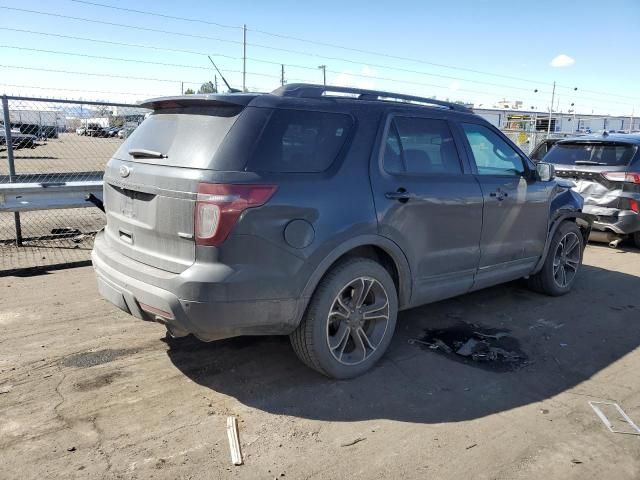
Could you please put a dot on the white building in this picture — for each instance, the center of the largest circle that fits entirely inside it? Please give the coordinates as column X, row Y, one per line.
column 561, row 123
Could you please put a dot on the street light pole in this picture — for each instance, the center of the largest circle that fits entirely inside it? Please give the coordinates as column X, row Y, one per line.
column 244, row 58
column 324, row 74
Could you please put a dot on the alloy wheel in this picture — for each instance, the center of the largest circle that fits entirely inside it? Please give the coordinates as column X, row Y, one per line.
column 566, row 260
column 357, row 321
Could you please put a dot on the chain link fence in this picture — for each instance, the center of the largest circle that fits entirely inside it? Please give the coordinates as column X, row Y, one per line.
column 46, row 144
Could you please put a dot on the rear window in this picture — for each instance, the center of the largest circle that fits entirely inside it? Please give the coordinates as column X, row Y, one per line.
column 300, row 141
column 594, row 153
column 189, row 137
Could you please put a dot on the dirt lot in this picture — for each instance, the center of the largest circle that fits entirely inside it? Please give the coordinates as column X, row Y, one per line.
column 88, row 392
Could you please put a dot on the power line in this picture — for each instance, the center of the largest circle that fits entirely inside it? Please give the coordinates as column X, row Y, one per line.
column 144, row 94
column 313, row 42
column 262, row 61
column 333, row 45
column 91, row 74
column 131, row 60
column 197, row 20
column 237, row 42
column 232, row 71
column 306, row 67
column 123, row 25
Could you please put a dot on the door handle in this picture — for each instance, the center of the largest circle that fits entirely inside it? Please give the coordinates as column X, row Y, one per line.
column 401, row 195
column 499, row 195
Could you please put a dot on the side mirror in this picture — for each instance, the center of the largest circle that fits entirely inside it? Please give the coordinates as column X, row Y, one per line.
column 546, row 171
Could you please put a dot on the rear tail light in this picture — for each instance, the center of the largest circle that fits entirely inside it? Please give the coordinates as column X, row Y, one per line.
column 219, row 206
column 633, row 205
column 622, row 177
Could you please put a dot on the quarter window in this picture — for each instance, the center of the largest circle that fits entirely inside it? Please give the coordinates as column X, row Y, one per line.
column 420, row 146
column 493, row 156
column 300, row 141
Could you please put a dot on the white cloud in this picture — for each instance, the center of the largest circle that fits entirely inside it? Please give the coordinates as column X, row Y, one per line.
column 562, row 60
column 362, row 80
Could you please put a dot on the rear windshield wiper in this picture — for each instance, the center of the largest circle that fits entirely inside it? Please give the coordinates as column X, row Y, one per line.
column 588, row 162
column 144, row 153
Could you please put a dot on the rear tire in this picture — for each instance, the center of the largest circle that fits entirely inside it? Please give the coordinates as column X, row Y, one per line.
column 563, row 262
column 636, row 239
column 350, row 320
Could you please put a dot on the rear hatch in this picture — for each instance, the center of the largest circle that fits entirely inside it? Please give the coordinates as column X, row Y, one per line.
column 151, row 183
column 597, row 168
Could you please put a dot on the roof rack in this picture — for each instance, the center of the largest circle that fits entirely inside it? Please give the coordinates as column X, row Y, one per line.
column 304, row 90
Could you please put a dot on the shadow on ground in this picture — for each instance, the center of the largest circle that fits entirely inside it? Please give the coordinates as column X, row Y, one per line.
column 566, row 340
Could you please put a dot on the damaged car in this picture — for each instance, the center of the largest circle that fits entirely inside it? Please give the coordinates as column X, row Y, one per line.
column 605, row 170
column 319, row 213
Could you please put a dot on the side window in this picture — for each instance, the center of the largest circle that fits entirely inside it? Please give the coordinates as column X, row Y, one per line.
column 493, row 156
column 420, row 146
column 300, row 141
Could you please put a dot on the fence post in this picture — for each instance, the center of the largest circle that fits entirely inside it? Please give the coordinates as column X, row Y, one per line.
column 10, row 161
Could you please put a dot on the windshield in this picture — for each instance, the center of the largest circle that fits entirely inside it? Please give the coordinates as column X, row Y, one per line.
column 591, row 153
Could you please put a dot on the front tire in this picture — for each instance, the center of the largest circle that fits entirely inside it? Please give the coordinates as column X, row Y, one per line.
column 563, row 262
column 350, row 320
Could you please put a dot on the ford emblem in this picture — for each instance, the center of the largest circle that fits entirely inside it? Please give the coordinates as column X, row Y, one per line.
column 124, row 171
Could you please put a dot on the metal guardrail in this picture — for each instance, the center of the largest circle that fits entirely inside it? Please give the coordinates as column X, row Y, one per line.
column 23, row 197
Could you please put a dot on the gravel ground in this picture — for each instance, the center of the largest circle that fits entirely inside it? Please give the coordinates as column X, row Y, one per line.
column 89, row 392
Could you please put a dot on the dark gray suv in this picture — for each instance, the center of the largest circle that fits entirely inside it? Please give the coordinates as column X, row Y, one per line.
column 319, row 213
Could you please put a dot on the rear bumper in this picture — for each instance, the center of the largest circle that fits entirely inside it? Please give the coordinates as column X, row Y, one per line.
column 622, row 222
column 208, row 320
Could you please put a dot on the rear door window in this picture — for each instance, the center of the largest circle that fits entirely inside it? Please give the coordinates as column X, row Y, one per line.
column 420, row 146
column 300, row 141
column 591, row 153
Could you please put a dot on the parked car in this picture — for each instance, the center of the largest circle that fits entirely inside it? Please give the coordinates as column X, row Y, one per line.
column 94, row 130
column 126, row 130
column 319, row 215
column 113, row 131
column 606, row 172
column 81, row 131
column 18, row 140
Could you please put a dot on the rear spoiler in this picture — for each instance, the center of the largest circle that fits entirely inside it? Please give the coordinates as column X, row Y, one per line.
column 207, row 100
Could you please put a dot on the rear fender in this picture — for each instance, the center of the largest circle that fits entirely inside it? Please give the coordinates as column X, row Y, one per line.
column 393, row 250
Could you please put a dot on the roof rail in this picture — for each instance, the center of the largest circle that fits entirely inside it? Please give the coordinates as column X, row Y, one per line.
column 305, row 90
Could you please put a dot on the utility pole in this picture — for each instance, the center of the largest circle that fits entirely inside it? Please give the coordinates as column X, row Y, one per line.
column 324, row 74
column 631, row 121
column 282, row 82
column 553, row 97
column 181, row 88
column 244, row 58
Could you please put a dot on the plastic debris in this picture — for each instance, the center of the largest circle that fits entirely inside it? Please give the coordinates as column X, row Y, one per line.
column 622, row 418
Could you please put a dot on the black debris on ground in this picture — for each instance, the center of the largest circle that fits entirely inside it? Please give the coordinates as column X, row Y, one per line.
column 489, row 348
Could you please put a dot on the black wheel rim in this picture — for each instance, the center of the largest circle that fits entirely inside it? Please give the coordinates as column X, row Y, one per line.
column 566, row 260
column 358, row 321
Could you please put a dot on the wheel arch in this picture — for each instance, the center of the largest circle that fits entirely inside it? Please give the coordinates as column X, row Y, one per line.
column 584, row 222
column 375, row 247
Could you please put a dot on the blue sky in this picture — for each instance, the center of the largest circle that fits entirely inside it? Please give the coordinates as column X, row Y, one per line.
column 444, row 46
